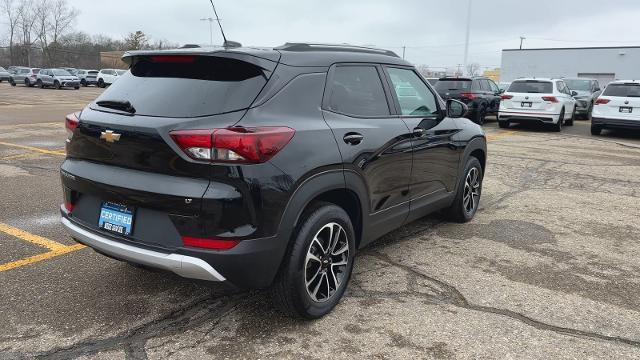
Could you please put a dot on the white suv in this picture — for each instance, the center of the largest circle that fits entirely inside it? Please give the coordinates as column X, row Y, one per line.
column 547, row 101
column 617, row 107
column 109, row 76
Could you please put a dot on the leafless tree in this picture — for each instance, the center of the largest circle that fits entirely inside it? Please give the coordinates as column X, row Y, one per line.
column 54, row 19
column 11, row 12
column 473, row 69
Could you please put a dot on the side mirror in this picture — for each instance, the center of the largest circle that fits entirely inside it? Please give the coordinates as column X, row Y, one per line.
column 501, row 91
column 456, row 109
column 574, row 93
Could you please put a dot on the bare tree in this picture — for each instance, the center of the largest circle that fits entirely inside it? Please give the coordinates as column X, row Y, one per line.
column 9, row 8
column 136, row 41
column 473, row 69
column 53, row 20
column 26, row 12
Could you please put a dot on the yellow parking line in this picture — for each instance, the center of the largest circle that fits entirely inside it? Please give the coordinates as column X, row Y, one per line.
column 21, row 156
column 44, row 151
column 34, row 239
column 501, row 135
column 40, row 257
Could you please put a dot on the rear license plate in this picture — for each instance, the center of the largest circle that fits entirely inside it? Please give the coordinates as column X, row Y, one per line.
column 526, row 104
column 116, row 218
column 626, row 110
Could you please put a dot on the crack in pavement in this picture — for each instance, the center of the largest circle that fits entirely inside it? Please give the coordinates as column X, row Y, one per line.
column 448, row 294
column 198, row 312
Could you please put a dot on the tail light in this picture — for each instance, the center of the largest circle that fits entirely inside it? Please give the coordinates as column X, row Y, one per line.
column 552, row 99
column 71, row 123
column 183, row 59
column 468, row 95
column 602, row 101
column 233, row 145
column 214, row 244
column 68, row 205
column 506, row 97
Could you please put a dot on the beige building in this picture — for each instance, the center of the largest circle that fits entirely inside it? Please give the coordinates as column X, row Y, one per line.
column 112, row 60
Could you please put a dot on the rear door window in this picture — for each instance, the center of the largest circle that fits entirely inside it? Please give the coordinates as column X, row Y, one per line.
column 531, row 86
column 358, row 91
column 187, row 86
column 623, row 90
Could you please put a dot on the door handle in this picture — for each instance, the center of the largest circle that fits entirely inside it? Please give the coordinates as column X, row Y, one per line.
column 353, row 138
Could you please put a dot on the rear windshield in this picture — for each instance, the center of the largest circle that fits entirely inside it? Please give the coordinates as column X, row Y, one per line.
column 446, row 85
column 578, row 85
column 93, row 72
column 187, row 86
column 622, row 90
column 532, row 87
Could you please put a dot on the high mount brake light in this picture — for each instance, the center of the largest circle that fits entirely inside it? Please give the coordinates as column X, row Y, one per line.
column 71, row 123
column 183, row 59
column 602, row 101
column 552, row 99
column 233, row 145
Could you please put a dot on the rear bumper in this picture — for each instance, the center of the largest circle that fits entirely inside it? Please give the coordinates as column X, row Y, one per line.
column 615, row 123
column 185, row 266
column 523, row 117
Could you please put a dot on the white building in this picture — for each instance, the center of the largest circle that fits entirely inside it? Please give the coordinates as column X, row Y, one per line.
column 602, row 63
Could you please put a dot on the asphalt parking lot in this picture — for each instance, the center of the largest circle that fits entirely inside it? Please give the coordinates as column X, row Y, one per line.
column 548, row 269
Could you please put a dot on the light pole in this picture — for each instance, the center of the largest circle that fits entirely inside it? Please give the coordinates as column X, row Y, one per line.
column 210, row 20
column 466, row 43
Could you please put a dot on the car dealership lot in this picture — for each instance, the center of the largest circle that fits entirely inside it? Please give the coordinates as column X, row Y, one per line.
column 548, row 269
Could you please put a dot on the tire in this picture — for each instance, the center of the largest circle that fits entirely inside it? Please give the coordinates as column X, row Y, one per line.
column 290, row 292
column 40, row 84
column 77, row 87
column 573, row 117
column 596, row 130
column 465, row 204
column 558, row 127
column 101, row 83
column 27, row 83
column 83, row 83
column 481, row 114
column 56, row 85
column 503, row 124
column 13, row 83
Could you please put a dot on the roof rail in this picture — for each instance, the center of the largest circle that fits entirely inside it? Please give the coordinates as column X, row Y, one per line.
column 335, row 47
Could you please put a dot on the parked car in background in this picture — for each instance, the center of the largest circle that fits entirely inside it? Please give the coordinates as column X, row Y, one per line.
column 617, row 107
column 228, row 184
column 545, row 101
column 4, row 74
column 432, row 81
column 57, row 78
column 587, row 91
column 481, row 95
column 109, row 76
column 87, row 77
column 24, row 75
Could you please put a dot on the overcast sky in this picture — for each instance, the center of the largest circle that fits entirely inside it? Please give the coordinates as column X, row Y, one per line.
column 432, row 30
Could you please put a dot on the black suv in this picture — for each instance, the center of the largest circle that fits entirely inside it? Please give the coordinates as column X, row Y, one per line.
column 481, row 94
column 265, row 167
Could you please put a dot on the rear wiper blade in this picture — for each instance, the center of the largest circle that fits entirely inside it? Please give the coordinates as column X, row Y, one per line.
column 122, row 105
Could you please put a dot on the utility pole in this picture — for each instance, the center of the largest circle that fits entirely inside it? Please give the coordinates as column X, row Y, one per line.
column 210, row 20
column 466, row 43
column 521, row 40
column 404, row 48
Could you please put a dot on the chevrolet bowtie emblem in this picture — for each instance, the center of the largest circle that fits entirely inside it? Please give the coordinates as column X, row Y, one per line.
column 109, row 136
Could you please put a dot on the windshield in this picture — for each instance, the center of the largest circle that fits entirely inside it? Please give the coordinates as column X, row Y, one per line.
column 121, row 72
column 445, row 85
column 190, row 87
column 578, row 85
column 531, row 87
column 60, row 72
column 623, row 90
